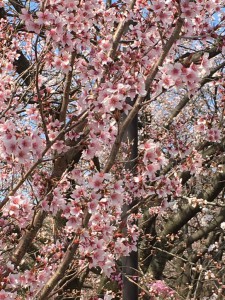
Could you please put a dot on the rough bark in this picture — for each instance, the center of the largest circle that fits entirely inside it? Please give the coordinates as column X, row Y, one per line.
column 130, row 263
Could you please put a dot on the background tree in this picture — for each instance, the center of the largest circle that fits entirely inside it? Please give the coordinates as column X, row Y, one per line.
column 112, row 141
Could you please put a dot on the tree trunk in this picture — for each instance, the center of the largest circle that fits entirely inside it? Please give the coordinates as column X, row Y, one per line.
column 130, row 263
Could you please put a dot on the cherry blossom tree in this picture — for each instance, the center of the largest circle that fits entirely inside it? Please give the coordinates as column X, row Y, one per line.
column 112, row 149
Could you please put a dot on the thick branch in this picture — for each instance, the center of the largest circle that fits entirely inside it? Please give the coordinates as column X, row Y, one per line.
column 140, row 99
column 176, row 222
column 121, row 29
column 188, row 211
column 27, row 238
column 66, row 92
column 204, row 231
column 50, row 285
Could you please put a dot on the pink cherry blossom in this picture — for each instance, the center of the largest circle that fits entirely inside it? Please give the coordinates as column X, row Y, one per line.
column 111, row 143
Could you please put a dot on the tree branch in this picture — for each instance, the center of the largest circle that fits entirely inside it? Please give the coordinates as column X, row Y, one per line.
column 187, row 98
column 121, row 28
column 140, row 99
column 66, row 92
column 50, row 285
